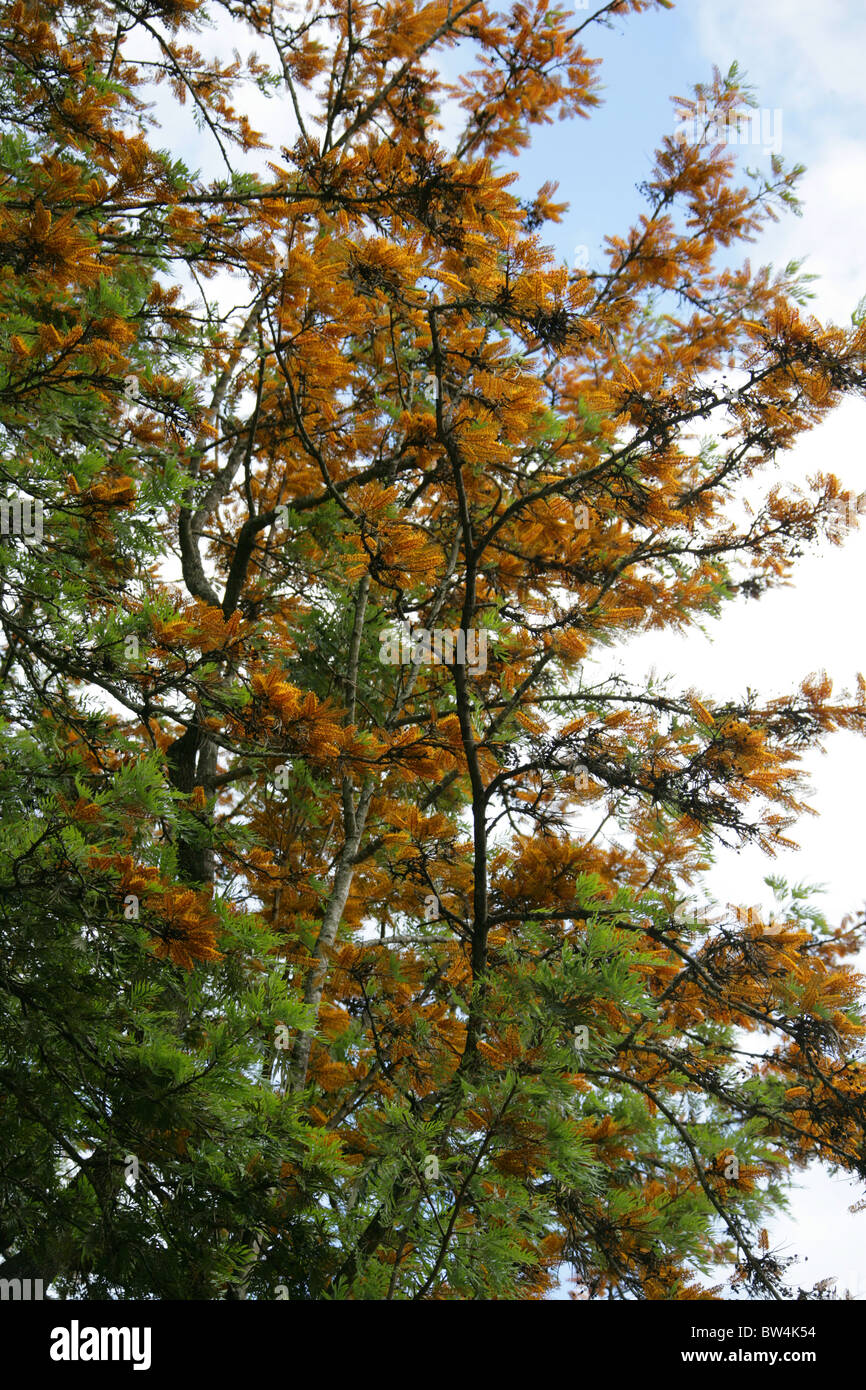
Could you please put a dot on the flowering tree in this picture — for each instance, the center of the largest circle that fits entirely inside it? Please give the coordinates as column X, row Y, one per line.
column 319, row 977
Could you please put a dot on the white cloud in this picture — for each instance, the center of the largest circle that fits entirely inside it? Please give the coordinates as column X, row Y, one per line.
column 812, row 51
column 808, row 60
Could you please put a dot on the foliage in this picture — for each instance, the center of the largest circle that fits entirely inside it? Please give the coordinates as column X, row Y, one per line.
column 319, row 978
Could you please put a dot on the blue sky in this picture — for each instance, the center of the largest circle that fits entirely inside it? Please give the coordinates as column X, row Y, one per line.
column 806, row 61
column 598, row 162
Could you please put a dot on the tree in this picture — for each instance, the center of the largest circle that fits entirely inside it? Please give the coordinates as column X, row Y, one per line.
column 318, row 979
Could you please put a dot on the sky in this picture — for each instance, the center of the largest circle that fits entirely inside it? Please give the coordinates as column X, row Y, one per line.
column 805, row 63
